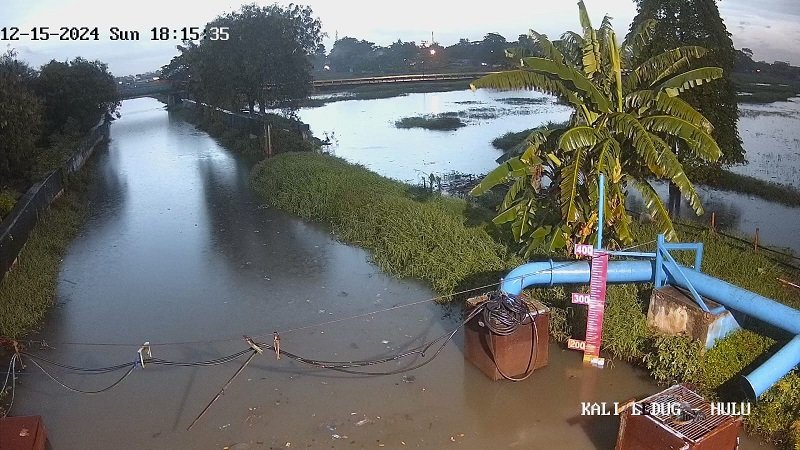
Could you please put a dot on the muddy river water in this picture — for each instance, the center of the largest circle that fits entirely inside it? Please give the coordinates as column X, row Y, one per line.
column 177, row 251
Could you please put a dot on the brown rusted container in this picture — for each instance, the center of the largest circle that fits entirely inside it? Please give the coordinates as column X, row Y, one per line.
column 22, row 433
column 640, row 430
column 512, row 354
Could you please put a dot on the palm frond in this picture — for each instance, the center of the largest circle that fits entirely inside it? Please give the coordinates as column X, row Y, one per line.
column 512, row 193
column 512, row 80
column 548, row 49
column 509, row 214
column 570, row 176
column 653, row 69
column 569, row 75
column 578, row 137
column 511, row 168
column 647, row 100
column 528, row 148
column 700, row 142
column 673, row 170
column 636, row 40
column 689, row 79
column 591, row 47
column 629, row 127
column 616, row 68
column 571, row 46
column 655, row 207
column 618, row 212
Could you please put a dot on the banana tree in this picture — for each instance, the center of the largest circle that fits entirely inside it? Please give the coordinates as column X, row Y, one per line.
column 625, row 123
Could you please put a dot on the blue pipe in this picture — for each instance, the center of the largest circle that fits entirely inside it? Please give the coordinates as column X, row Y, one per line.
column 549, row 273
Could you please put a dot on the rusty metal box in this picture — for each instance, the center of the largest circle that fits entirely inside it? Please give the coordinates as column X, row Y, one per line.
column 641, row 429
column 522, row 351
column 22, row 433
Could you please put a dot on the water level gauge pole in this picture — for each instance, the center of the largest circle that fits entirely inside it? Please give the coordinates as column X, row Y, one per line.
column 601, row 188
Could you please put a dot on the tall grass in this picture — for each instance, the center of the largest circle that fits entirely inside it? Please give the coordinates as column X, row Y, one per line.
column 424, row 238
column 28, row 290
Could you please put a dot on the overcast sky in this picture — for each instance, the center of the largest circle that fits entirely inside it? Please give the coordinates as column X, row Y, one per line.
column 768, row 27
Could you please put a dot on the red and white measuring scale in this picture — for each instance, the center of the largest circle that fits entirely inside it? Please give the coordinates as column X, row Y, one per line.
column 596, row 301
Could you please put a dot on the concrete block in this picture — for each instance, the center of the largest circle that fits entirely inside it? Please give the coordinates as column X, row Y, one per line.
column 673, row 311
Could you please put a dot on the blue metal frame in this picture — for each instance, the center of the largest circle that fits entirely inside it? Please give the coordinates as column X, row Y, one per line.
column 661, row 269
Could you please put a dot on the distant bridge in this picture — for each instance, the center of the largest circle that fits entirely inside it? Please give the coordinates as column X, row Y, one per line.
column 415, row 78
column 166, row 87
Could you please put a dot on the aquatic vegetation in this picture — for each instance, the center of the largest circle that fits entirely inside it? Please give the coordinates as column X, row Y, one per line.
column 521, row 101
column 441, row 122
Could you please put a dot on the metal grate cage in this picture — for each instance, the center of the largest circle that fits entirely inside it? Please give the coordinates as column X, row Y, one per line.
column 699, row 422
column 677, row 418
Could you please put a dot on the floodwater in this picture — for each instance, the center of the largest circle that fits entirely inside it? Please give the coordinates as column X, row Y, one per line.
column 365, row 133
column 178, row 252
column 770, row 135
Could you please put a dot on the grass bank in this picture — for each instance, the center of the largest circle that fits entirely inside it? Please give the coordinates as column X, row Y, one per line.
column 410, row 234
column 775, row 192
column 439, row 240
column 28, row 290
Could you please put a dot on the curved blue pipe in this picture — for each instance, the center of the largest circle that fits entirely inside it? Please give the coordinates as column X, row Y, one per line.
column 549, row 273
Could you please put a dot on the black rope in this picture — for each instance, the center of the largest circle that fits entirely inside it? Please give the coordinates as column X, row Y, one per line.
column 503, row 315
column 80, row 391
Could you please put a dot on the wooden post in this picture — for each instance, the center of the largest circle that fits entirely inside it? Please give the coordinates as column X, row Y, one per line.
column 269, row 140
column 755, row 241
column 713, row 221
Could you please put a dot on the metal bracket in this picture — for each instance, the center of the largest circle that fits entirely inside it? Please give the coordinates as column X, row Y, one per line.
column 145, row 354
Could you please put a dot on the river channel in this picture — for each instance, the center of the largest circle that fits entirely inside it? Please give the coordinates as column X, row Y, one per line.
column 365, row 133
column 178, row 252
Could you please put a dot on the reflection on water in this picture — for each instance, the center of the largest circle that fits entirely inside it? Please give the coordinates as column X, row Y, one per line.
column 366, row 133
column 777, row 224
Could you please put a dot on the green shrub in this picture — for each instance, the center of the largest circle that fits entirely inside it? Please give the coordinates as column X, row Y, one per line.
column 7, row 201
column 777, row 411
column 625, row 332
column 730, row 356
column 674, row 359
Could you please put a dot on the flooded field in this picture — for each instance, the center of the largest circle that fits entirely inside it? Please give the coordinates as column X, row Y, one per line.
column 771, row 135
column 365, row 133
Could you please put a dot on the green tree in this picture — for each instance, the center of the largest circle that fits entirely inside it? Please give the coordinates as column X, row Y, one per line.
column 76, row 93
column 353, row 55
column 265, row 61
column 625, row 123
column 20, row 118
column 697, row 22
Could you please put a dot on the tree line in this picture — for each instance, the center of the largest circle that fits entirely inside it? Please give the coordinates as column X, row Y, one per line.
column 265, row 63
column 39, row 107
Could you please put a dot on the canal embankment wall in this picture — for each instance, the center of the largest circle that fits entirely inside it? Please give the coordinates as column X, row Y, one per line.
column 17, row 226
